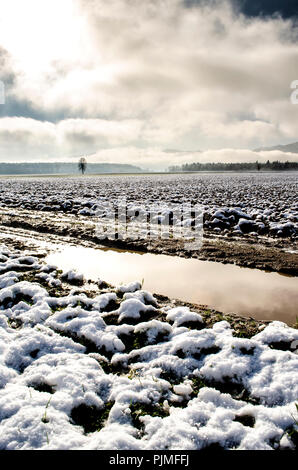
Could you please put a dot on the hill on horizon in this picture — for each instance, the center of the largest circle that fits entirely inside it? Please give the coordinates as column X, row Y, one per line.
column 288, row 148
column 48, row 168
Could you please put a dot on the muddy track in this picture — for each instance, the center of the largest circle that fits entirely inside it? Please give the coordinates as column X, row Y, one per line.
column 245, row 254
column 243, row 326
column 271, row 256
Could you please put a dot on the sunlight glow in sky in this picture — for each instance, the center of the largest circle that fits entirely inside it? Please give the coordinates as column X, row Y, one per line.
column 145, row 82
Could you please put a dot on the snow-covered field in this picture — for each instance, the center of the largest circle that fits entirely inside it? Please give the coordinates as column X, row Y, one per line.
column 113, row 369
column 262, row 204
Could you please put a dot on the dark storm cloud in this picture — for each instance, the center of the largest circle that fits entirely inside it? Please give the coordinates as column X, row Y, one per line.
column 286, row 8
column 18, row 108
column 254, row 8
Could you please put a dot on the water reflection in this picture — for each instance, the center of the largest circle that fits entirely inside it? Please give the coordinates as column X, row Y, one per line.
column 225, row 287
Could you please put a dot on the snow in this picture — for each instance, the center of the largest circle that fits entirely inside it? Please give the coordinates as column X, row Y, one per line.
column 86, row 325
column 183, row 389
column 153, row 329
column 181, row 315
column 277, row 332
column 204, row 385
column 131, row 287
column 144, row 296
column 73, row 276
column 132, row 309
column 270, row 208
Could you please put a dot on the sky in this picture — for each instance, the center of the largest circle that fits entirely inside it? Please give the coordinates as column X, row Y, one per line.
column 148, row 82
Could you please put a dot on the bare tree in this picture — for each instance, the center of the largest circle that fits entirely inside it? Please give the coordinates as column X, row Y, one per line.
column 82, row 165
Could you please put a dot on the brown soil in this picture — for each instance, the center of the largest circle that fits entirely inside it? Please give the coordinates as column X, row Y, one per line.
column 261, row 253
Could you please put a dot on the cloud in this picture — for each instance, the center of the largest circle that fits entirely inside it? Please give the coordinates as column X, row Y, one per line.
column 148, row 75
column 155, row 159
column 21, row 138
column 25, row 139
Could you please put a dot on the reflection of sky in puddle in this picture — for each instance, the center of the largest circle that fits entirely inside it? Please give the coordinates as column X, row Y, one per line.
column 225, row 287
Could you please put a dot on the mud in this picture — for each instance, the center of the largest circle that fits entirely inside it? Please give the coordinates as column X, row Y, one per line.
column 244, row 327
column 271, row 255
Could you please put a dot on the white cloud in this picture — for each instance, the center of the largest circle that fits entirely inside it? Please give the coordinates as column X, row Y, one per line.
column 24, row 137
column 151, row 74
column 154, row 159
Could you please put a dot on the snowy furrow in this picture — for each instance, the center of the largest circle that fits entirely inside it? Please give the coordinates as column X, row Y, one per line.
column 117, row 371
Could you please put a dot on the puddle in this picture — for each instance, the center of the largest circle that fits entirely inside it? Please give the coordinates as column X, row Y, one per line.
column 224, row 287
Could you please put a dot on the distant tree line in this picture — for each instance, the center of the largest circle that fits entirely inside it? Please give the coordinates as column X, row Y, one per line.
column 268, row 166
column 54, row 168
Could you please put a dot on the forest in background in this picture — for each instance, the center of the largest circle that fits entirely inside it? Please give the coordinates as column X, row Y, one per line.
column 268, row 166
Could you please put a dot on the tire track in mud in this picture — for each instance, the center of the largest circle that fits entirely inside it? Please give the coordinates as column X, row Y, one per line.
column 265, row 254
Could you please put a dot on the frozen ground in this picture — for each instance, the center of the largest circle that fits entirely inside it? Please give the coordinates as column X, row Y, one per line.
column 248, row 219
column 239, row 204
column 113, row 368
